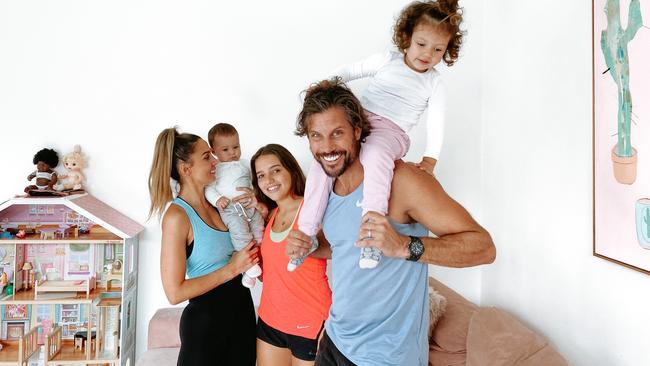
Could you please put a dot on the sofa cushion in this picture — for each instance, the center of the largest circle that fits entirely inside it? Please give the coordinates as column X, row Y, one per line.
column 450, row 334
column 437, row 306
column 163, row 328
column 440, row 357
column 497, row 339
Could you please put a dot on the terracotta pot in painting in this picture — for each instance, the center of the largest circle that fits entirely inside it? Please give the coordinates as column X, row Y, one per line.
column 624, row 167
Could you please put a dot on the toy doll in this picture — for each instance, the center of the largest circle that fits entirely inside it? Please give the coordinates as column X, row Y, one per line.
column 45, row 160
column 73, row 162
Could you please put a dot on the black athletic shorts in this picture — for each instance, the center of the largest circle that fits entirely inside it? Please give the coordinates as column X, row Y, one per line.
column 301, row 348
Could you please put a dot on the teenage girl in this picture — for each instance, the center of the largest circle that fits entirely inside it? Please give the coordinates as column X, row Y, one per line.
column 294, row 305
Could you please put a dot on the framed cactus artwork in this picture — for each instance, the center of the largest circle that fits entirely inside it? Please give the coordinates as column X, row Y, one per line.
column 621, row 131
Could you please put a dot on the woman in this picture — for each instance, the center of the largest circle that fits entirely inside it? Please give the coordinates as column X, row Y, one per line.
column 218, row 324
column 294, row 305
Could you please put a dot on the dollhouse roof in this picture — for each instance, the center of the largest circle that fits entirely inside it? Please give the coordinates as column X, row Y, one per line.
column 88, row 206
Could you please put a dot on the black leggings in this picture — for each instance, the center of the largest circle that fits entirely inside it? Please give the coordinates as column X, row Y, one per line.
column 218, row 327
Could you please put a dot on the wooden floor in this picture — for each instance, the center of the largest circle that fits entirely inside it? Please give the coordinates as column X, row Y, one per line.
column 67, row 356
column 9, row 353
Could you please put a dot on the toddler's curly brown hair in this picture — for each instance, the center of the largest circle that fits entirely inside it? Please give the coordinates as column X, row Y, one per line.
column 444, row 14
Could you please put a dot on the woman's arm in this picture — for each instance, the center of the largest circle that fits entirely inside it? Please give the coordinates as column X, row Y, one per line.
column 175, row 233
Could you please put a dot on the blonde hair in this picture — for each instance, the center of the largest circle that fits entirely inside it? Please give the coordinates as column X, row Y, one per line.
column 171, row 148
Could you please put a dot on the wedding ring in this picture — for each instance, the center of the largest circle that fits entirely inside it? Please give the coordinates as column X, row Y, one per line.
column 369, row 234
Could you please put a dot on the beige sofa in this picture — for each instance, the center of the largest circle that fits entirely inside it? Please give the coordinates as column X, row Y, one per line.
column 473, row 336
column 465, row 335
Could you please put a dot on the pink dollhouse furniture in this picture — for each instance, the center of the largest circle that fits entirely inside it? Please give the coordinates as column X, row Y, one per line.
column 47, row 233
column 45, row 285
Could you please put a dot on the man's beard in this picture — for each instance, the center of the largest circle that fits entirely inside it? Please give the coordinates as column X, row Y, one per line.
column 348, row 159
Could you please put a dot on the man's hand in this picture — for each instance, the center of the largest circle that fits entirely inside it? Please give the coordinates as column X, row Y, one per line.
column 298, row 244
column 222, row 202
column 376, row 231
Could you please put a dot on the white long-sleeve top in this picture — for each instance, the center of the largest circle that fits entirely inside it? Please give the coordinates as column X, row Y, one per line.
column 401, row 94
column 229, row 176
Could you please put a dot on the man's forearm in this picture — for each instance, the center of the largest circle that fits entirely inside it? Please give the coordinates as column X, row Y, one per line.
column 458, row 250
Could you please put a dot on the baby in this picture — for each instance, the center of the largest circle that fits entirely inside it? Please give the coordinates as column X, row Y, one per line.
column 244, row 224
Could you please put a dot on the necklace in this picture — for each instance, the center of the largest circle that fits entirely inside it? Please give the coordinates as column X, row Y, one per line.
column 282, row 223
column 283, row 219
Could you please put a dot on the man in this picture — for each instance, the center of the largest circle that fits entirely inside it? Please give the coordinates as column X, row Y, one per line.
column 379, row 316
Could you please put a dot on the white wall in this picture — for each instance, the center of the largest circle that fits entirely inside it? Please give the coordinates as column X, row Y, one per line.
column 111, row 75
column 537, row 187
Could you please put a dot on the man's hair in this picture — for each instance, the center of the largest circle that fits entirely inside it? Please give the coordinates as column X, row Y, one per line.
column 332, row 93
column 221, row 129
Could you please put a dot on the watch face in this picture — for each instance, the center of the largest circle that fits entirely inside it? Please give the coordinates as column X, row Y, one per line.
column 416, row 248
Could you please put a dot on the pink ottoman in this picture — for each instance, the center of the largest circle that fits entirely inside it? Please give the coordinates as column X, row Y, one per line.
column 163, row 342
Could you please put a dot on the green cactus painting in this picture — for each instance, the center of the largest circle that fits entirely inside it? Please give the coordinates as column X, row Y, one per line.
column 613, row 41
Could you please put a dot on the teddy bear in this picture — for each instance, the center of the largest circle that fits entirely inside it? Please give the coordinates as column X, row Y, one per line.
column 73, row 179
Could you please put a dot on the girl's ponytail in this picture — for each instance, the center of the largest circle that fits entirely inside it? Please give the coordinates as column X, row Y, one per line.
column 160, row 190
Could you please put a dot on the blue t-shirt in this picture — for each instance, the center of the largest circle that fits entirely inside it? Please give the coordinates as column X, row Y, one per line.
column 212, row 248
column 378, row 316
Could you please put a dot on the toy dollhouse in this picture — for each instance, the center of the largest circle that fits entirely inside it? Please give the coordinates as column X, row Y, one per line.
column 68, row 282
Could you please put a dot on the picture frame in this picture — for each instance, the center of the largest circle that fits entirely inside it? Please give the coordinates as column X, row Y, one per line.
column 16, row 312
column 621, row 132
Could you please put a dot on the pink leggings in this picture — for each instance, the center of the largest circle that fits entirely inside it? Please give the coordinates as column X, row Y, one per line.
column 385, row 144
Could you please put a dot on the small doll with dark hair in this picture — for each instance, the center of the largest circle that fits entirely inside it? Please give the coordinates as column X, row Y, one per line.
column 404, row 84
column 45, row 160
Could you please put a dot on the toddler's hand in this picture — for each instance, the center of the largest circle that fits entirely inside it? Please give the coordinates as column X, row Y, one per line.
column 222, row 202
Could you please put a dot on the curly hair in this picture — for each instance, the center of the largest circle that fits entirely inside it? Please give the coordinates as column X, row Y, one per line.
column 48, row 156
column 444, row 14
column 327, row 94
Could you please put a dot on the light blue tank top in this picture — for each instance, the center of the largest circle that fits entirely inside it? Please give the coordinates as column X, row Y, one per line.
column 378, row 316
column 212, row 248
